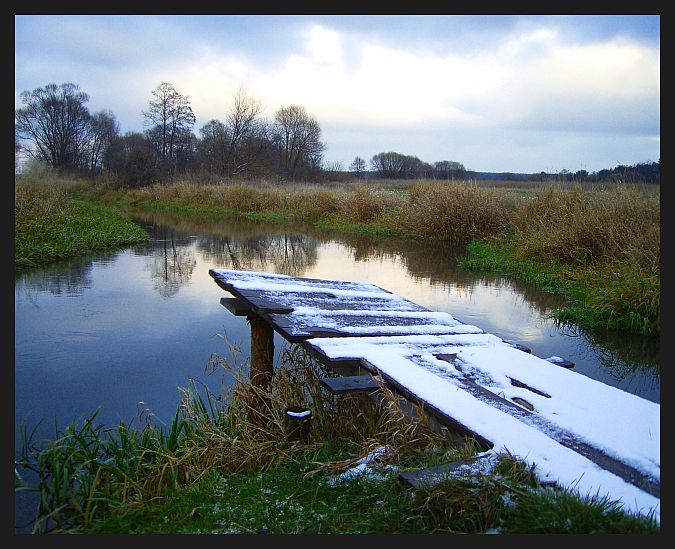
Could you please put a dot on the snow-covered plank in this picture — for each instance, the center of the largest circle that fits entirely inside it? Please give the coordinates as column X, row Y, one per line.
column 267, row 293
column 306, row 322
column 581, row 431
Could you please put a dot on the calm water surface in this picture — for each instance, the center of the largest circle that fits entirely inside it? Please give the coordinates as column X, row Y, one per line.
column 123, row 332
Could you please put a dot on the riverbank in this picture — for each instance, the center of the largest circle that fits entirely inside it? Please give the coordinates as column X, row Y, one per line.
column 52, row 223
column 599, row 248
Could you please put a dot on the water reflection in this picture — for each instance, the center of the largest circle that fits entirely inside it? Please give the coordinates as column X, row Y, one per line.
column 622, row 357
column 435, row 263
column 171, row 266
column 70, row 277
column 289, row 254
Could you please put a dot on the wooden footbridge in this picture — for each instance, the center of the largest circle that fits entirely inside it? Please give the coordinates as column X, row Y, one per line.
column 578, row 432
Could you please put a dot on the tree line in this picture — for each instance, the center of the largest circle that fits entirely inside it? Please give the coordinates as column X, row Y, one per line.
column 642, row 172
column 61, row 131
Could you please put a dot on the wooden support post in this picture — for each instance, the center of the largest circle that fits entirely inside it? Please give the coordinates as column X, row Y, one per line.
column 262, row 352
column 262, row 368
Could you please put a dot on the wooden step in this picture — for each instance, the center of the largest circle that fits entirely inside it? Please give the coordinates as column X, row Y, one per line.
column 350, row 384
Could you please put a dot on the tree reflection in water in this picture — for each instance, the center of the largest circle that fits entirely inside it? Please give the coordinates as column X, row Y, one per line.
column 623, row 357
column 171, row 266
column 68, row 277
column 287, row 253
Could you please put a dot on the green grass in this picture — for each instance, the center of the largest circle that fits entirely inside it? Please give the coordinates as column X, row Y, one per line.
column 51, row 224
column 287, row 501
column 611, row 296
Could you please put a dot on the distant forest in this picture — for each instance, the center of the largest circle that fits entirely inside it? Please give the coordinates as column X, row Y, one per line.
column 54, row 126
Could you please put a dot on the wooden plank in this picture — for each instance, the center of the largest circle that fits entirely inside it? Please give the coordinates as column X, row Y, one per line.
column 236, row 306
column 283, row 294
column 429, row 476
column 350, row 384
column 225, row 277
column 299, row 326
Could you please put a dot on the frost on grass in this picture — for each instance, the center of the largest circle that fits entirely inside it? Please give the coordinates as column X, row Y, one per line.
column 367, row 468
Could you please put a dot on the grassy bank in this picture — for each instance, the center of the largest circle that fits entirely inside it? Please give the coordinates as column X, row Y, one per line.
column 50, row 223
column 599, row 247
column 222, row 467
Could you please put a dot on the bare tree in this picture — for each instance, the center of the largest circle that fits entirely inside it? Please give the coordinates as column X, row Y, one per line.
column 241, row 123
column 232, row 148
column 297, row 135
column 358, row 166
column 389, row 164
column 133, row 158
column 213, row 146
column 103, row 129
column 448, row 169
column 399, row 166
column 57, row 123
column 170, row 115
column 255, row 153
column 17, row 151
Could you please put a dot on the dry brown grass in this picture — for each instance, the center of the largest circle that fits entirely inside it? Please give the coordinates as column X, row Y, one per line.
column 32, row 201
column 362, row 205
column 238, row 441
column 588, row 227
column 455, row 211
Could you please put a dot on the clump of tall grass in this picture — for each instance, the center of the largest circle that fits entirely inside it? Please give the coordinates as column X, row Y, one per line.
column 477, row 500
column 548, row 510
column 576, row 226
column 455, row 211
column 606, row 244
column 32, row 201
column 510, row 499
column 362, row 206
column 310, row 203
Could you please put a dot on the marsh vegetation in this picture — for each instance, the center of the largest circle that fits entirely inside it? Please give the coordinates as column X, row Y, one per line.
column 598, row 246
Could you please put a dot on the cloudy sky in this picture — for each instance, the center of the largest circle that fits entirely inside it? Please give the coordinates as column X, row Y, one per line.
column 496, row 93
